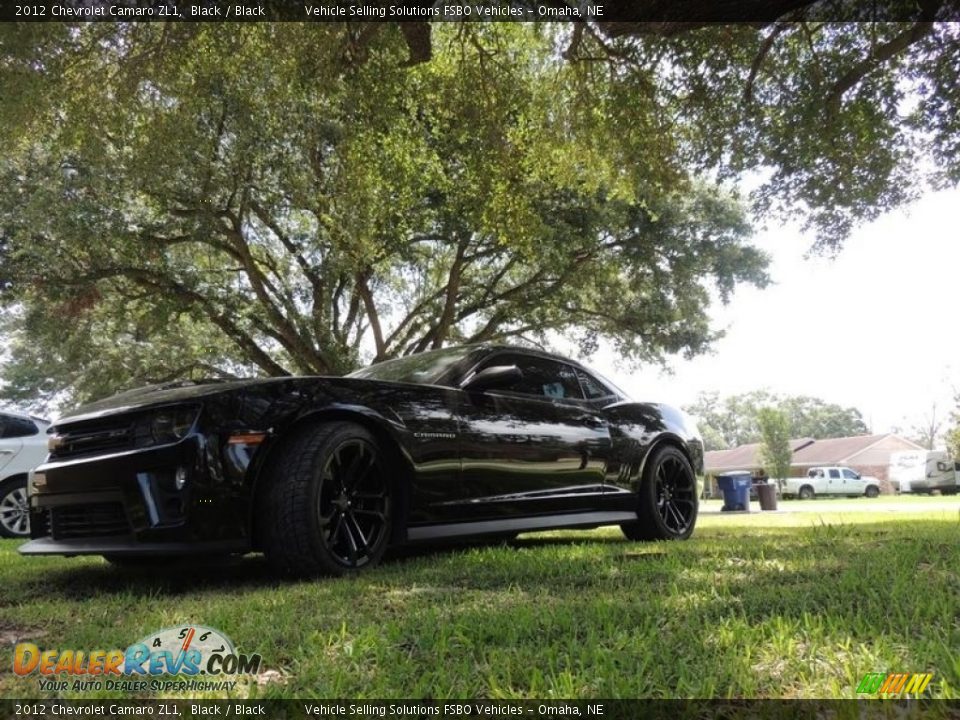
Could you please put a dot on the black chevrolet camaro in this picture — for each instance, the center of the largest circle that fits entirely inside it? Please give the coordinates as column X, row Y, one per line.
column 322, row 474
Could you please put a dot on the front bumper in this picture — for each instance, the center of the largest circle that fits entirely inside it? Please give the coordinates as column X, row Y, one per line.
column 128, row 547
column 165, row 500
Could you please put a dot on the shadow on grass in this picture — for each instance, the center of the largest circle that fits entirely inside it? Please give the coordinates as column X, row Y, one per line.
column 91, row 576
column 807, row 559
column 750, row 611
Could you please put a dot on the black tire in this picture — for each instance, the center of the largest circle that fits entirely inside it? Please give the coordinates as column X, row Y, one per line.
column 14, row 511
column 327, row 502
column 667, row 499
column 806, row 493
column 872, row 491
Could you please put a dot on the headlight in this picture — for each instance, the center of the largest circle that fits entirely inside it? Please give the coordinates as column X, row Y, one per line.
column 166, row 426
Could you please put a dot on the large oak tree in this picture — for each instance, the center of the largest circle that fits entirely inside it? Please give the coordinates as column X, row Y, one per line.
column 282, row 198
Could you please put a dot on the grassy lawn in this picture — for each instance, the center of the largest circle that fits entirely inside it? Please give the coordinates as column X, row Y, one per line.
column 793, row 604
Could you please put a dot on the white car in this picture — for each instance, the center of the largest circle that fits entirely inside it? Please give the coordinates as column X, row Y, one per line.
column 23, row 446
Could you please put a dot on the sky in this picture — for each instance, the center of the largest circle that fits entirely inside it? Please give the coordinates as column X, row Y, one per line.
column 873, row 328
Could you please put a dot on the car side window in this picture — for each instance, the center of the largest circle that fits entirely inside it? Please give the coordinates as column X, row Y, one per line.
column 542, row 377
column 834, row 473
column 14, row 427
column 847, row 473
column 592, row 388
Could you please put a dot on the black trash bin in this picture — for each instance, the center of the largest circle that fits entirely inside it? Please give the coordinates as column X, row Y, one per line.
column 767, row 494
column 735, row 486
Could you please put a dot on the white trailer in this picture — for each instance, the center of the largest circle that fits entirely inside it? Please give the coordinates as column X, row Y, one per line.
column 924, row 471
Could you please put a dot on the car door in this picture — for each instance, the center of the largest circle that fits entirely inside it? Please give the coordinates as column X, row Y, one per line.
column 11, row 446
column 834, row 482
column 537, row 447
column 852, row 483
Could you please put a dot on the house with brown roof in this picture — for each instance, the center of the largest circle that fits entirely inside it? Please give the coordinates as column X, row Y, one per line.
column 867, row 454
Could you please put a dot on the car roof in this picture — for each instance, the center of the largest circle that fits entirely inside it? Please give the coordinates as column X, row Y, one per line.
column 491, row 347
column 23, row 415
column 524, row 349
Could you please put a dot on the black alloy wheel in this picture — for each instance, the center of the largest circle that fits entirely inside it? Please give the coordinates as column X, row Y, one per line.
column 327, row 502
column 667, row 498
column 352, row 503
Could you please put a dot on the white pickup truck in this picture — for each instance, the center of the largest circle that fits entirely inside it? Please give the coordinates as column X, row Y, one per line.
column 831, row 480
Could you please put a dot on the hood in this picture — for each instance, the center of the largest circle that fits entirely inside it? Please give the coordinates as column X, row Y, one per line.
column 163, row 394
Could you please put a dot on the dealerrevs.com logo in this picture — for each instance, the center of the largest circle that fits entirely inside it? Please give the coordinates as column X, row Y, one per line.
column 204, row 655
column 894, row 684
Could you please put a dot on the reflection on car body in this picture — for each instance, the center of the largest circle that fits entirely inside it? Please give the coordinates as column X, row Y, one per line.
column 323, row 473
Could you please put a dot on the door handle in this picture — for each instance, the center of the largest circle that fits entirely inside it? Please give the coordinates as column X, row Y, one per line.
column 6, row 452
column 592, row 421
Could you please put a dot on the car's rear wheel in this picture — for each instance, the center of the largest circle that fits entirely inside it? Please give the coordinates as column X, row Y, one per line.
column 327, row 503
column 667, row 508
column 806, row 493
column 14, row 510
column 872, row 491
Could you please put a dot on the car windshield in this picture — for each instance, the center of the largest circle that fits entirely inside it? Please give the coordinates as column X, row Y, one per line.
column 423, row 368
column 606, row 381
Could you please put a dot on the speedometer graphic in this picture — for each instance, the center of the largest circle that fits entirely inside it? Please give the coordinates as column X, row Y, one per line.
column 183, row 638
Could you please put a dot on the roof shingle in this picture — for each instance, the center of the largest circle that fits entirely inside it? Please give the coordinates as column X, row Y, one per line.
column 806, row 452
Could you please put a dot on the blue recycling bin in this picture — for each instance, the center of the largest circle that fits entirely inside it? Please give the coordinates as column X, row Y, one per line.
column 735, row 486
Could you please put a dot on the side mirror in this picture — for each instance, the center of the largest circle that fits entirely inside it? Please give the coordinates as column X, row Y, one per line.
column 495, row 376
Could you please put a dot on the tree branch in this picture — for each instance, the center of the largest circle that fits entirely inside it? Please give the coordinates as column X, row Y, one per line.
column 873, row 60
column 762, row 53
column 453, row 293
column 286, row 333
column 417, row 36
column 363, row 288
column 315, row 280
column 411, row 316
column 163, row 283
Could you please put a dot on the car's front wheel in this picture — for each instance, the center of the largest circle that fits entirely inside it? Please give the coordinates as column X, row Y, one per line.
column 667, row 508
column 806, row 493
column 872, row 491
column 327, row 504
column 14, row 510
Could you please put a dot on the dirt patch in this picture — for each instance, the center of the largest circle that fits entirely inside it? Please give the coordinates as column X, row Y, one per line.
column 11, row 633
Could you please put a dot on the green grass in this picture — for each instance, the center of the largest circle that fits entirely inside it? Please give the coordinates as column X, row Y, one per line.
column 797, row 604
